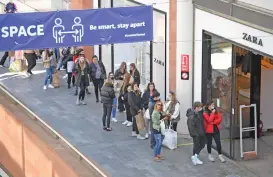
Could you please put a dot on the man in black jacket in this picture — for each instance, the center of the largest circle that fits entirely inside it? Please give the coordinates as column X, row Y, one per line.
column 107, row 96
column 196, row 130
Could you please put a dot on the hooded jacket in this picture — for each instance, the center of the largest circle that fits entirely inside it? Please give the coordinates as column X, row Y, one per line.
column 107, row 93
column 195, row 123
column 212, row 121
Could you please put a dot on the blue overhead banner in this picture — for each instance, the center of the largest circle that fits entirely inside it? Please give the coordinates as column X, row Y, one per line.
column 40, row 30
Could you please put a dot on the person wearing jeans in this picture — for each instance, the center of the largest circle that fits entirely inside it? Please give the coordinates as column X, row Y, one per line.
column 98, row 74
column 107, row 96
column 4, row 58
column 212, row 121
column 157, row 116
column 49, row 62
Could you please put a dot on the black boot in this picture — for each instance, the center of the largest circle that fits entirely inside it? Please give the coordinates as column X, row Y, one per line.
column 69, row 86
column 76, row 93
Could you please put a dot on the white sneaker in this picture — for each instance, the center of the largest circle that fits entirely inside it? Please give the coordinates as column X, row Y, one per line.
column 129, row 124
column 114, row 120
column 50, row 86
column 45, row 87
column 83, row 103
column 125, row 122
column 26, row 74
column 198, row 161
column 211, row 158
column 139, row 137
column 222, row 159
column 1, row 66
column 65, row 76
column 134, row 134
column 146, row 135
column 193, row 159
column 78, row 102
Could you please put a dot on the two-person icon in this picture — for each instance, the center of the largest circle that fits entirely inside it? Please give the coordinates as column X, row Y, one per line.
column 59, row 30
column 79, row 30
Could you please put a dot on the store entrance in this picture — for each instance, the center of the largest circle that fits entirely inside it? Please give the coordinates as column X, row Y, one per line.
column 252, row 85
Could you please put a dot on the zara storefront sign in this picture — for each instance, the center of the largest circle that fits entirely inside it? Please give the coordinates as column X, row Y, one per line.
column 253, row 39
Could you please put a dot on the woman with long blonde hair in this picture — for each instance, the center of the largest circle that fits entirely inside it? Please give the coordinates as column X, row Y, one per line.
column 82, row 80
column 172, row 108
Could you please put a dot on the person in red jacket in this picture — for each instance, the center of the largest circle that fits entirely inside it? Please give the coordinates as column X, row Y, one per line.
column 212, row 121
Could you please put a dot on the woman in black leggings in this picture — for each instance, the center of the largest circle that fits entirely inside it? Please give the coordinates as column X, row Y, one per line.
column 31, row 57
column 212, row 121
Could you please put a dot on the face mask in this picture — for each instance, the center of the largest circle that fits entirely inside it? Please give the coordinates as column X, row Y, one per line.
column 212, row 107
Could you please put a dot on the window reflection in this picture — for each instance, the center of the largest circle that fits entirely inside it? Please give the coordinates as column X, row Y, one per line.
column 220, row 84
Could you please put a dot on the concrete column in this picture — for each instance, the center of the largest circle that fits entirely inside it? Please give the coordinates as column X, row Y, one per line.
column 172, row 44
column 184, row 46
column 84, row 4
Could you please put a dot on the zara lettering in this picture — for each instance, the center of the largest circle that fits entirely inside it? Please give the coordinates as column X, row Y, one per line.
column 32, row 30
column 252, row 39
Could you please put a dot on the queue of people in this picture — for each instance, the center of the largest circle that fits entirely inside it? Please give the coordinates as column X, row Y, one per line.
column 120, row 91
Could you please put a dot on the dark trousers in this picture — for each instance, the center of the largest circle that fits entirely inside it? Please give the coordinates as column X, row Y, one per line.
column 198, row 144
column 128, row 113
column 4, row 58
column 70, row 78
column 31, row 60
column 107, row 109
column 82, row 88
column 97, row 85
column 134, row 126
column 217, row 139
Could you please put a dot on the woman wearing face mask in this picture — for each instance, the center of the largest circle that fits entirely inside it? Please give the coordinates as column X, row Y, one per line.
column 135, row 73
column 135, row 103
column 82, row 79
column 212, row 121
column 172, row 107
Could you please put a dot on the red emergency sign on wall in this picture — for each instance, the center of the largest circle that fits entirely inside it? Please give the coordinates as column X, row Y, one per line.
column 185, row 66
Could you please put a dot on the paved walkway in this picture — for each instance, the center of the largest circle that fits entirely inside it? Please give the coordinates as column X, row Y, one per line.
column 116, row 151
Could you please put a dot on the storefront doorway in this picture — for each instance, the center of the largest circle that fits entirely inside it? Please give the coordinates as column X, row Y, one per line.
column 234, row 75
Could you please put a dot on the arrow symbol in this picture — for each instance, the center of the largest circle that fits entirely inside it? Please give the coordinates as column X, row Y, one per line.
column 68, row 32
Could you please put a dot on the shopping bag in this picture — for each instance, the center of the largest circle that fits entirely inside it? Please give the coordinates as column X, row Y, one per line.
column 140, row 121
column 170, row 139
column 147, row 114
column 163, row 127
column 15, row 66
column 56, row 79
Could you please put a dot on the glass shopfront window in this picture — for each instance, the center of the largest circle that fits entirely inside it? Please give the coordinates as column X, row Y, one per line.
column 139, row 53
column 219, row 83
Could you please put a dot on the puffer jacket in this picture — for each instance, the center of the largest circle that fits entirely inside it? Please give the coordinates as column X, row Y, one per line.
column 195, row 125
column 211, row 121
column 107, row 93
